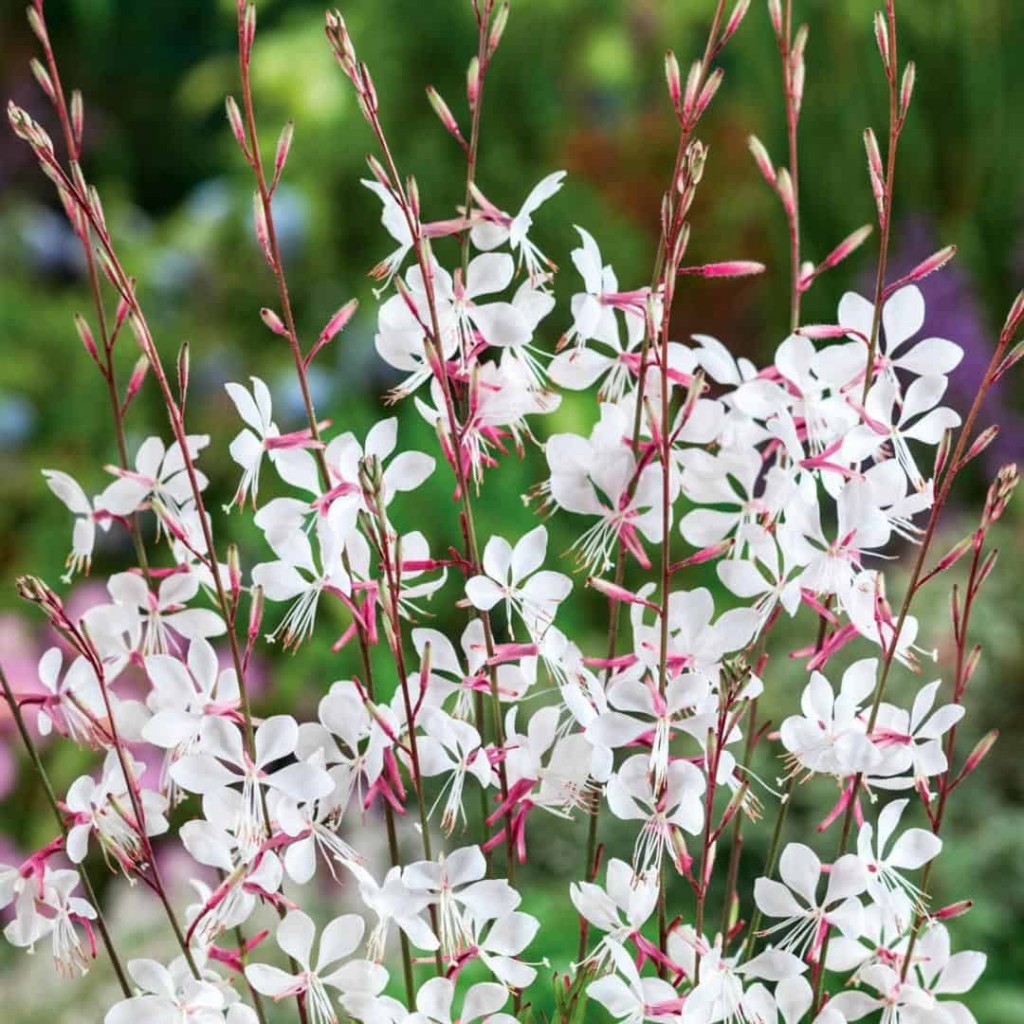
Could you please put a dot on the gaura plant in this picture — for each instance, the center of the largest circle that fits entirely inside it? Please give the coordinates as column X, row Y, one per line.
column 794, row 481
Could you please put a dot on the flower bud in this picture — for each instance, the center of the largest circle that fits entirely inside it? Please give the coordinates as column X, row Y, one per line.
column 497, row 29
column 444, row 113
column 235, row 121
column 473, row 83
column 85, row 334
column 273, row 321
column 183, row 372
column 739, row 12
column 907, row 88
column 775, row 14
column 77, row 117
column 882, row 38
column 762, row 159
column 672, row 77
column 284, row 145
column 957, row 909
column 43, row 78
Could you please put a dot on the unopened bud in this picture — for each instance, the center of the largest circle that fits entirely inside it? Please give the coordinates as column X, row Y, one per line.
column 784, row 187
column 907, row 88
column 184, row 364
column 247, row 36
column 692, row 89
column 284, row 145
column 999, row 493
column 775, row 14
column 497, row 29
column 444, row 113
column 934, row 262
column 85, row 334
column 234, row 571
column 821, row 332
column 262, row 232
column 255, row 611
column 957, row 909
column 739, row 12
column 135, row 381
column 971, row 664
column 235, row 121
column 707, row 94
column 980, row 443
column 761, row 158
column 728, row 268
column 473, row 83
column 852, row 242
column 378, row 171
column 978, row 754
column 43, row 78
column 672, row 77
column 273, row 321
column 335, row 325
column 882, row 38
column 1015, row 316
column 619, row 594
column 1012, row 358
column 77, row 117
column 36, row 23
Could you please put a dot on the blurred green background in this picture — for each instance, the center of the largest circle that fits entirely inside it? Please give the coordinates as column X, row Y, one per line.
column 577, row 84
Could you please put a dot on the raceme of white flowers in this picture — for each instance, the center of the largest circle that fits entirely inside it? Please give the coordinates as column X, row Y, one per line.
column 796, row 481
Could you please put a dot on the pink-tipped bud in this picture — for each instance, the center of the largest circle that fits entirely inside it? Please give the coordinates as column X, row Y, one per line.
column 614, row 592
column 1015, row 317
column 497, row 29
column 784, row 187
column 934, row 262
column 85, row 334
column 978, row 754
column 672, row 77
column 707, row 94
column 1009, row 362
column 775, row 14
column 38, row 26
column 284, row 145
column 739, row 12
column 334, row 326
column 42, row 76
column 942, row 453
column 728, row 268
column 980, row 443
column 235, row 121
column 77, row 117
column 882, row 38
column 957, row 909
column 875, row 172
column 709, row 554
column 247, row 31
column 999, row 493
column 851, row 243
column 444, row 113
column 821, row 332
column 234, row 571
column 692, row 88
column 378, row 171
column 951, row 557
column 907, row 88
column 970, row 667
column 473, row 83
column 273, row 321
column 255, row 611
column 761, row 158
column 135, row 381
column 262, row 231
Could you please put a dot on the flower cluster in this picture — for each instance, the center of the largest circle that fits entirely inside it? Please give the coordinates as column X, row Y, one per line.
column 793, row 483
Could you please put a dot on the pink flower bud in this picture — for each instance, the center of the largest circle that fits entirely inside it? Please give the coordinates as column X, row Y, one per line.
column 978, row 754
column 497, row 29
column 444, row 113
column 77, row 117
column 739, row 12
column 284, row 145
column 135, row 380
column 235, row 121
column 907, row 88
column 957, row 909
column 784, row 187
column 273, row 321
column 85, row 334
column 693, row 80
column 473, row 83
column 262, row 232
column 184, row 364
column 775, row 14
column 614, row 592
column 934, row 262
column 707, row 94
column 43, row 78
column 38, row 26
column 1015, row 316
column 729, row 268
column 821, row 332
column 882, row 38
column 762, row 159
column 672, row 77
column 334, row 326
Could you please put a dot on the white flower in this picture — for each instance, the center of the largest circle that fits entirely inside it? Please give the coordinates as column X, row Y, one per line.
column 338, row 940
column 510, row 575
column 805, row 921
column 631, row 999
column 481, row 1002
column 169, row 994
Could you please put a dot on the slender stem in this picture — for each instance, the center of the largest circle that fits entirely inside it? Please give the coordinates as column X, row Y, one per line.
column 792, row 120
column 51, row 799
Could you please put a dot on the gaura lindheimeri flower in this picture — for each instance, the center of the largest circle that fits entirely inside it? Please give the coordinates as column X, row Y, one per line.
column 513, row 576
column 805, row 921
